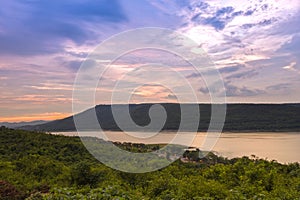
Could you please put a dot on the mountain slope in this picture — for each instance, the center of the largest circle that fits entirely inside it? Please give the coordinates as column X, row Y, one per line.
column 239, row 117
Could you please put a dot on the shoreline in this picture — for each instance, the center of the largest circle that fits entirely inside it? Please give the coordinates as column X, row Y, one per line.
column 279, row 146
column 173, row 131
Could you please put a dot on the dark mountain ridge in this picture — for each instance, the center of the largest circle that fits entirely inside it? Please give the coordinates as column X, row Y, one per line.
column 239, row 118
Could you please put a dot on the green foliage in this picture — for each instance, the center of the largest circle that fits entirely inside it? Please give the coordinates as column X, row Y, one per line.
column 38, row 166
column 82, row 174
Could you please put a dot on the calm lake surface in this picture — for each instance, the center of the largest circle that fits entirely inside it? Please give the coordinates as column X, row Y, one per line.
column 283, row 147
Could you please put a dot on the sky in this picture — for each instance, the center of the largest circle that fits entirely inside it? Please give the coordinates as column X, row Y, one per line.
column 253, row 44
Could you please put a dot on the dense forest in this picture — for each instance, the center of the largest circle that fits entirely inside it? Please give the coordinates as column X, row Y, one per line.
column 36, row 165
column 239, row 117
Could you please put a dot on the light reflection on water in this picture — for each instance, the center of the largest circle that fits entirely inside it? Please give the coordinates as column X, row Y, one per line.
column 283, row 147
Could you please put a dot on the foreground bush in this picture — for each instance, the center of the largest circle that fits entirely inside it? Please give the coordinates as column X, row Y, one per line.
column 42, row 166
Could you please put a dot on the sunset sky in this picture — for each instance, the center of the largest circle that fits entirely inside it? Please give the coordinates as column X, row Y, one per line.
column 254, row 44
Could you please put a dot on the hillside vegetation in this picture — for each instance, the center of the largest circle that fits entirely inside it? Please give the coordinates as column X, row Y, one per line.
column 35, row 165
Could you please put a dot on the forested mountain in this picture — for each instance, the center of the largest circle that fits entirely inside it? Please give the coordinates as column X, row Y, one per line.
column 239, row 117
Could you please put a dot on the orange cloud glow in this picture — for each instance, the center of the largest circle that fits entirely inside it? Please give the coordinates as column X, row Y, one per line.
column 33, row 117
column 152, row 93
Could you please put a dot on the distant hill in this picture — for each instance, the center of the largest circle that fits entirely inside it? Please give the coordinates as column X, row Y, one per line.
column 19, row 124
column 239, row 118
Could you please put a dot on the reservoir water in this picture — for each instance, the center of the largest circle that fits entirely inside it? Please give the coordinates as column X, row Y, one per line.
column 283, row 147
